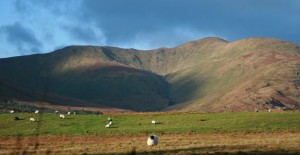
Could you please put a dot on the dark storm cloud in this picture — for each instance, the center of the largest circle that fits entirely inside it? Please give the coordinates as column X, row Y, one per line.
column 123, row 20
column 21, row 37
column 232, row 19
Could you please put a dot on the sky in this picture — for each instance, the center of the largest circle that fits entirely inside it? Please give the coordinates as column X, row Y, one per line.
column 42, row 26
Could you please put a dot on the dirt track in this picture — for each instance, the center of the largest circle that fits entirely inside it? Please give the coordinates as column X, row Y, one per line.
column 168, row 144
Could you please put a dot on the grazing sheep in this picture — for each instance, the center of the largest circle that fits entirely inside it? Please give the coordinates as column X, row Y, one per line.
column 11, row 111
column 107, row 125
column 62, row 116
column 269, row 110
column 16, row 118
column 110, row 123
column 56, row 112
column 153, row 122
column 69, row 113
column 152, row 140
column 36, row 112
column 31, row 119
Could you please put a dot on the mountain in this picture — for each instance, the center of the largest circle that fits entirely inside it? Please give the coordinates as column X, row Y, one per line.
column 209, row 74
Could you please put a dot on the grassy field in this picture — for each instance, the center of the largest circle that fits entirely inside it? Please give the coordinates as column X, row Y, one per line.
column 137, row 124
column 180, row 133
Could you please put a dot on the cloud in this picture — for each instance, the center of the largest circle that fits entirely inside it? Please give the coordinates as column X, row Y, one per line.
column 21, row 37
column 86, row 33
column 164, row 38
column 234, row 19
column 56, row 23
column 56, row 7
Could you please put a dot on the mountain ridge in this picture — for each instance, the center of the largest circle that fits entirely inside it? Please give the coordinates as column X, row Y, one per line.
column 195, row 76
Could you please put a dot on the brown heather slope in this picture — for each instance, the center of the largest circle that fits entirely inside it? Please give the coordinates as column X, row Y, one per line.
column 241, row 76
column 209, row 74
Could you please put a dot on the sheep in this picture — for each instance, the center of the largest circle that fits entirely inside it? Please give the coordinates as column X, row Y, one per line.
column 269, row 110
column 107, row 125
column 256, row 110
column 153, row 122
column 31, row 119
column 11, row 111
column 69, row 113
column 37, row 111
column 152, row 140
column 56, row 112
column 62, row 116
column 74, row 113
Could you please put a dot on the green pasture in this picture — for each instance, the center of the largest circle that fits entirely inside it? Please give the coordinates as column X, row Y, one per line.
column 139, row 124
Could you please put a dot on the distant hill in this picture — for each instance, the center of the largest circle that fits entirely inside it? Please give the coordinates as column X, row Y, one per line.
column 209, row 74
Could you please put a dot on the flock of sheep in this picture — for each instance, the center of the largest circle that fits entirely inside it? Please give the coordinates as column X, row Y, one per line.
column 32, row 119
column 151, row 141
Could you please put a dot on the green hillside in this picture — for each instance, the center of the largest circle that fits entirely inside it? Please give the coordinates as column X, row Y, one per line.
column 210, row 74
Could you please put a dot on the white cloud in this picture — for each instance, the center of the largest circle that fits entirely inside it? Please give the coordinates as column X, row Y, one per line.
column 166, row 38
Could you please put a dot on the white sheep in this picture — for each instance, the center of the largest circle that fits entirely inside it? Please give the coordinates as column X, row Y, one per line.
column 36, row 112
column 107, row 125
column 153, row 122
column 56, row 112
column 31, row 119
column 11, row 111
column 152, row 140
column 269, row 110
column 62, row 116
column 110, row 123
column 69, row 113
column 74, row 113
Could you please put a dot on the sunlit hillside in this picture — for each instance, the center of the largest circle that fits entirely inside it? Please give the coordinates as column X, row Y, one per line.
column 210, row 74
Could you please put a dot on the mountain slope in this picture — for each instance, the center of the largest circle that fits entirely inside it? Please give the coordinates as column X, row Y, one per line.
column 76, row 72
column 241, row 76
column 210, row 74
